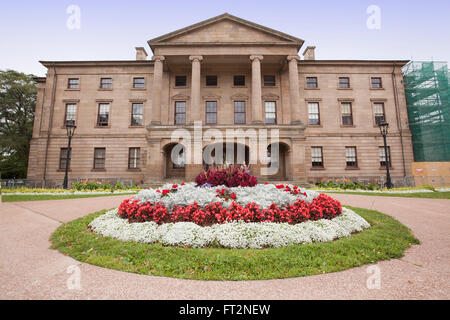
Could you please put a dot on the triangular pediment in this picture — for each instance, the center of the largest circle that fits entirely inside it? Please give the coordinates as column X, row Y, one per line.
column 226, row 29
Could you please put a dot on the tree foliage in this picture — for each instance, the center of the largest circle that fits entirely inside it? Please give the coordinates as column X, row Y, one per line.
column 17, row 105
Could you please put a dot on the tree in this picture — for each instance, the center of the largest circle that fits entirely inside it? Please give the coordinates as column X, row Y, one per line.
column 17, row 105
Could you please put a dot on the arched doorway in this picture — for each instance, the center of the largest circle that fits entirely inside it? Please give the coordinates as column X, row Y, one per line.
column 225, row 153
column 278, row 160
column 175, row 161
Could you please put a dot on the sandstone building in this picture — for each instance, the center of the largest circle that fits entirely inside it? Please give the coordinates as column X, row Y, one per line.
column 227, row 73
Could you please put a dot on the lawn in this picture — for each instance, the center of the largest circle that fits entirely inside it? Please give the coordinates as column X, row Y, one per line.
column 40, row 197
column 386, row 239
column 425, row 195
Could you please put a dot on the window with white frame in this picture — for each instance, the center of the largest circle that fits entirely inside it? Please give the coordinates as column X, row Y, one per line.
column 351, row 157
column 382, row 154
column 134, row 157
column 378, row 112
column 317, row 157
column 347, row 116
column 271, row 112
column 313, row 113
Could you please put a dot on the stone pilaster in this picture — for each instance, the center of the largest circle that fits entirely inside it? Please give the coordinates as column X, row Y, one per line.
column 257, row 111
column 195, row 114
column 156, row 89
column 294, row 89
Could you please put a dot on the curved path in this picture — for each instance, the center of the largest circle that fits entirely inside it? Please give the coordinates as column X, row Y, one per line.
column 30, row 270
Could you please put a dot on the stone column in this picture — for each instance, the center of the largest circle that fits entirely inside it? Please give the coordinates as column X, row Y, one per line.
column 196, row 109
column 257, row 111
column 156, row 89
column 294, row 89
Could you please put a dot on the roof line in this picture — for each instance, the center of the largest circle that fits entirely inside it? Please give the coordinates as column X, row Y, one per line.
column 224, row 16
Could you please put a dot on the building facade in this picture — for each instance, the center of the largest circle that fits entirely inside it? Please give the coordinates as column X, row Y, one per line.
column 225, row 73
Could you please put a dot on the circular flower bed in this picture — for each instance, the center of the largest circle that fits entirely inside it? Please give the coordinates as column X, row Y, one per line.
column 262, row 216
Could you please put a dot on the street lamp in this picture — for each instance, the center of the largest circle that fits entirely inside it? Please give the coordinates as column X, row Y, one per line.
column 70, row 128
column 384, row 126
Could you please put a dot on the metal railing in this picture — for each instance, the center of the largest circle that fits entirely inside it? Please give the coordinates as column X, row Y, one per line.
column 58, row 183
column 397, row 181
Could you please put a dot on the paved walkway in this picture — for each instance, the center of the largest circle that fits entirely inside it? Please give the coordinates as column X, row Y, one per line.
column 30, row 270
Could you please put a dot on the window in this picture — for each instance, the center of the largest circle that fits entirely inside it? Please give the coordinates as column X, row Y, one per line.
column 378, row 111
column 99, row 158
column 344, row 82
column 211, row 81
column 139, row 83
column 269, row 81
column 71, row 113
column 179, row 159
column 105, row 83
column 180, row 81
column 74, row 83
column 313, row 113
column 239, row 81
column 137, row 117
column 63, row 158
column 239, row 112
column 350, row 157
column 271, row 112
column 103, row 115
column 211, row 112
column 311, row 82
column 347, row 116
column 376, row 83
column 316, row 157
column 180, row 112
column 383, row 156
column 134, row 157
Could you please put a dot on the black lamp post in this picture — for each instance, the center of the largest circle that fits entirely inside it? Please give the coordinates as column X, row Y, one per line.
column 70, row 128
column 384, row 126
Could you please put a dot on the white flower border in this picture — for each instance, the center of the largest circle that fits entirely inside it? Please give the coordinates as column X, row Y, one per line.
column 236, row 235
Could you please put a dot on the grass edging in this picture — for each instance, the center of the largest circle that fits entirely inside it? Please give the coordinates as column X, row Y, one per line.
column 423, row 195
column 384, row 240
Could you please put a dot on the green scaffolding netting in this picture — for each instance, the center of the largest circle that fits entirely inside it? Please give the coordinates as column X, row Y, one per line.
column 427, row 100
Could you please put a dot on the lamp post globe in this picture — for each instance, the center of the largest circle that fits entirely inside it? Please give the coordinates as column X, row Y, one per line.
column 384, row 127
column 70, row 129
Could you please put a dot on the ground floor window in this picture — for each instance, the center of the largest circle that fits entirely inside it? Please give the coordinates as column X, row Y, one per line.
column 317, row 157
column 351, row 157
column 63, row 158
column 134, row 157
column 99, row 158
column 382, row 154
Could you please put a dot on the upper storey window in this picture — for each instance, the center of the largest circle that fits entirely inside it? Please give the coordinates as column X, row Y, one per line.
column 269, row 81
column 376, row 83
column 73, row 83
column 211, row 112
column 103, row 115
column 313, row 113
column 344, row 83
column 180, row 112
column 271, row 112
column 180, row 81
column 71, row 113
column 106, row 83
column 311, row 82
column 211, row 81
column 239, row 81
column 139, row 83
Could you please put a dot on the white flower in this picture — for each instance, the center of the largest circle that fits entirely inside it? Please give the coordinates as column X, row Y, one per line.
column 236, row 234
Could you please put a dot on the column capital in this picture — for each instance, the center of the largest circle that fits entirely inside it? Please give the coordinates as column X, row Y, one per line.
column 256, row 57
column 196, row 58
column 158, row 58
column 294, row 57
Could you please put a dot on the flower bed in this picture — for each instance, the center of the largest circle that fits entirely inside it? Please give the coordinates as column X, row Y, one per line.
column 241, row 217
column 232, row 176
column 207, row 206
column 236, row 234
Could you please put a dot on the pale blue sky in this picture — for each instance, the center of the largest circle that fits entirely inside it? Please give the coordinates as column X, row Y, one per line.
column 36, row 30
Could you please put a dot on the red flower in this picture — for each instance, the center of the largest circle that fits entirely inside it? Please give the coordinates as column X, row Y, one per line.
column 174, row 186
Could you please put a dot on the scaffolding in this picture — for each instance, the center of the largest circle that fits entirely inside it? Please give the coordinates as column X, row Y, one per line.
column 427, row 100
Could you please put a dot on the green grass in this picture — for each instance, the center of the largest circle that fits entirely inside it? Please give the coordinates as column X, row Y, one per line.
column 40, row 197
column 386, row 239
column 425, row 195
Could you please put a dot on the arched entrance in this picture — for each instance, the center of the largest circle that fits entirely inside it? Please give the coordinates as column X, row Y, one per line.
column 279, row 160
column 225, row 153
column 175, row 161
